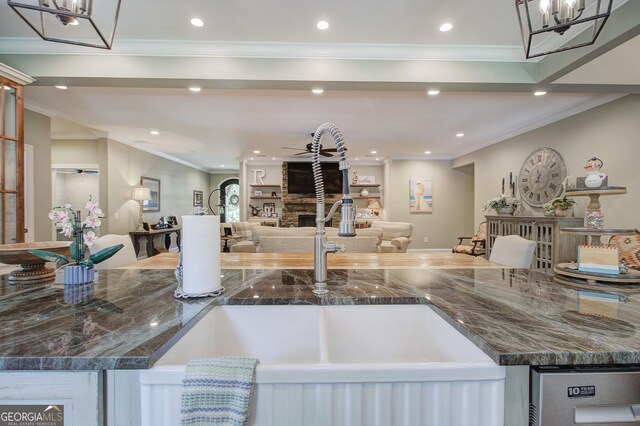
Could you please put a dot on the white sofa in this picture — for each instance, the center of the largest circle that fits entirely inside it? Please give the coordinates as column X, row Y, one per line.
column 268, row 239
column 396, row 236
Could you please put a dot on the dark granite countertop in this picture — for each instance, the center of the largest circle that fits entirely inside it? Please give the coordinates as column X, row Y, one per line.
column 129, row 318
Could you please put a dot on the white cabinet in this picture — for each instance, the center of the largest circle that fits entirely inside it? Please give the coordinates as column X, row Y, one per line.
column 78, row 391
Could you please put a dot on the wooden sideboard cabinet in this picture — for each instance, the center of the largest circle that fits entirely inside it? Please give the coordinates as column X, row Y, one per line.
column 551, row 247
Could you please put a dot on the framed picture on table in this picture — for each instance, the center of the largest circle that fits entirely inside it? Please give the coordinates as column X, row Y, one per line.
column 269, row 208
column 152, row 205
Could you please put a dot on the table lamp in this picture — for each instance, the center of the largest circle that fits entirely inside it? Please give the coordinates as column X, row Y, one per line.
column 141, row 194
column 373, row 207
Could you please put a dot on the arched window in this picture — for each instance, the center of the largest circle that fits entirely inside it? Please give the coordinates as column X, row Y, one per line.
column 230, row 199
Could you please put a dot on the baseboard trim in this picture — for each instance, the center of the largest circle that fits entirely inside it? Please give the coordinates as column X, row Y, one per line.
column 434, row 250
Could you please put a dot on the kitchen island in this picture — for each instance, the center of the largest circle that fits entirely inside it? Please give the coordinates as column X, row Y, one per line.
column 129, row 318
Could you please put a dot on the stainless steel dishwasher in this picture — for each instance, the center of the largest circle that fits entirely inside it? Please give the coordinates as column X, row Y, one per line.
column 589, row 396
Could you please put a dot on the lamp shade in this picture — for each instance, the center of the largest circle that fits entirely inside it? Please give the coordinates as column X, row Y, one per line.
column 141, row 193
column 373, row 204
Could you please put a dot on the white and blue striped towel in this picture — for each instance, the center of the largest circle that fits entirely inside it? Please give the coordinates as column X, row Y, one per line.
column 217, row 391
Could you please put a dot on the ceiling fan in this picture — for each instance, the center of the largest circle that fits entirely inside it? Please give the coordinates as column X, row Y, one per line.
column 307, row 151
column 77, row 171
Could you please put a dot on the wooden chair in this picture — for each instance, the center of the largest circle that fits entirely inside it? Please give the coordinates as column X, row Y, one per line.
column 476, row 246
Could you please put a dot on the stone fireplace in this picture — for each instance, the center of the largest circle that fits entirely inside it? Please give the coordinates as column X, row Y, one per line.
column 301, row 208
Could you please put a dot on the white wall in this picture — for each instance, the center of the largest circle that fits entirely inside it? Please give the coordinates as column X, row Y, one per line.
column 177, row 183
column 609, row 132
column 452, row 201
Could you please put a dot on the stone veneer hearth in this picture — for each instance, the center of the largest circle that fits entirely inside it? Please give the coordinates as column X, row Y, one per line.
column 294, row 205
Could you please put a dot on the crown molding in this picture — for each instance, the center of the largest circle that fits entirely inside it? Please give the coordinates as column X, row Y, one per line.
column 74, row 136
column 15, row 75
column 544, row 122
column 40, row 109
column 426, row 157
column 195, row 48
column 125, row 141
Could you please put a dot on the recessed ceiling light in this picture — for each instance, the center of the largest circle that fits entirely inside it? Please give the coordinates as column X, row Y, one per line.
column 195, row 89
column 256, row 152
column 196, row 22
column 446, row 27
column 61, row 87
column 251, row 158
column 153, row 324
column 459, row 135
column 539, row 93
column 221, row 165
column 427, row 152
column 377, row 159
column 356, row 158
column 317, row 91
column 273, row 158
column 154, row 132
column 322, row 25
column 374, row 152
column 433, row 92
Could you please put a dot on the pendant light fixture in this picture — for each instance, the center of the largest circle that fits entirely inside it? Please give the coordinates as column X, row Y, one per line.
column 552, row 26
column 79, row 22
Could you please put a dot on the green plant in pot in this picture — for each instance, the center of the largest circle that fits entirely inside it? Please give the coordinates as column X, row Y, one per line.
column 502, row 204
column 558, row 207
column 78, row 269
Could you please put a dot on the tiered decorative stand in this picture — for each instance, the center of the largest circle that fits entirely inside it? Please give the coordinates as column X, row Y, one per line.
column 594, row 235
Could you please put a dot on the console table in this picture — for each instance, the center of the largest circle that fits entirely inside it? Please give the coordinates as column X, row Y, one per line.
column 149, row 235
column 551, row 247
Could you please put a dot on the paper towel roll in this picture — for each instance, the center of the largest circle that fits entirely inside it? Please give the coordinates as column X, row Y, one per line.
column 200, row 254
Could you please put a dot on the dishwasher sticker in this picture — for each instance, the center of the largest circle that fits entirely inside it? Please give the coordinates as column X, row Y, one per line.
column 581, row 391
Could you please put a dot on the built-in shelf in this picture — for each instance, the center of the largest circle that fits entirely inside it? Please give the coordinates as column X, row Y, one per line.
column 265, row 186
column 265, row 198
column 365, row 185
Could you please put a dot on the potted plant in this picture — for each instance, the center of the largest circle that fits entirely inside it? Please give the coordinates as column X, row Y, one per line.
column 558, row 206
column 78, row 270
column 502, row 204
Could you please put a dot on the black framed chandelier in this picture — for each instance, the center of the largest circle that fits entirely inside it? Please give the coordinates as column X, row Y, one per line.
column 552, row 26
column 79, row 22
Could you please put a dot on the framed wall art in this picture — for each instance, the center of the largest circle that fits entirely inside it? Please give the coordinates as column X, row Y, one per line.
column 420, row 196
column 197, row 198
column 152, row 205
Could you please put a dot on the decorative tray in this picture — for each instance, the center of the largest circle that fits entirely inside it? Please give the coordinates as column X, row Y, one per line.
column 632, row 277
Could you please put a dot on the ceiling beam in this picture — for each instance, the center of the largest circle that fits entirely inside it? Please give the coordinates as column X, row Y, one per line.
column 227, row 71
column 622, row 26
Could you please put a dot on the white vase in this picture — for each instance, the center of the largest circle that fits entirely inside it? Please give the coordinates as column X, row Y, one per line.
column 594, row 179
column 506, row 211
column 364, row 192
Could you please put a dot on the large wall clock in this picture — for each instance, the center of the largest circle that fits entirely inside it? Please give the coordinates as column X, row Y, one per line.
column 541, row 176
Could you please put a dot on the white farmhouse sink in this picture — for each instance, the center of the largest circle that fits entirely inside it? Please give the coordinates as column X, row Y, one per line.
column 352, row 365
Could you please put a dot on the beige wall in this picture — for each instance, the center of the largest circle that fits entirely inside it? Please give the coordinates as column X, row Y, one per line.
column 74, row 151
column 609, row 132
column 37, row 132
column 177, row 183
column 452, row 201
